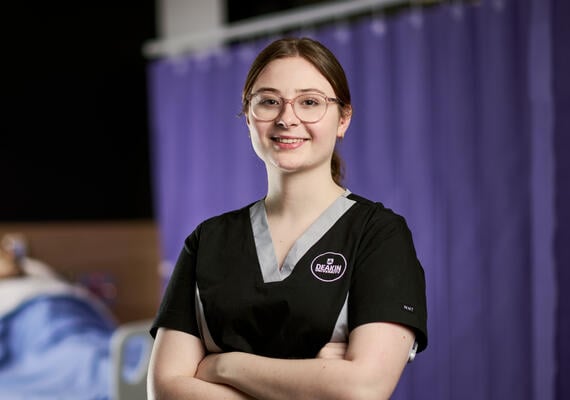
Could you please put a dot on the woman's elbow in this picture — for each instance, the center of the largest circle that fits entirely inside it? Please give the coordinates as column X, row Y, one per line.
column 365, row 393
column 368, row 389
column 163, row 388
column 155, row 388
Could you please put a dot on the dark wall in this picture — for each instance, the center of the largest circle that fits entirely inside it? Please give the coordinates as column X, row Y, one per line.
column 75, row 134
column 237, row 10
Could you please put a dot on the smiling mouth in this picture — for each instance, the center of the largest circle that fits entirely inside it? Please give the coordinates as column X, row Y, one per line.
column 287, row 140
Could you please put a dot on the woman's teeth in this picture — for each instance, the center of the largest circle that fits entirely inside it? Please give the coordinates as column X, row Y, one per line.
column 287, row 140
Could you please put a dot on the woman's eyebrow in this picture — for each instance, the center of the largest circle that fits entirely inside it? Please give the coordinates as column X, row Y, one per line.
column 310, row 90
column 273, row 90
column 267, row 89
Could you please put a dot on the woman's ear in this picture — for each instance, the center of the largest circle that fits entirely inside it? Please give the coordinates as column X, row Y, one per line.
column 344, row 121
column 248, row 123
column 245, row 113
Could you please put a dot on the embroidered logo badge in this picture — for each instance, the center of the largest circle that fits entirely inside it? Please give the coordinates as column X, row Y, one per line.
column 328, row 267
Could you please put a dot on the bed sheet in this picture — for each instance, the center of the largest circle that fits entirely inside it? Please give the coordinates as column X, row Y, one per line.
column 55, row 342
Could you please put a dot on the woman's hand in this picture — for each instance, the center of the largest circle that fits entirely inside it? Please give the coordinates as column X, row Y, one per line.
column 211, row 366
column 211, row 370
column 333, row 351
column 208, row 367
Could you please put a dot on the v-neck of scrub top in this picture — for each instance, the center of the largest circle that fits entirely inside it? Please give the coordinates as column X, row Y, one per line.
column 267, row 258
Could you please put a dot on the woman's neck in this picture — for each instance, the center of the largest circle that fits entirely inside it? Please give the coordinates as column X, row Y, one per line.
column 298, row 195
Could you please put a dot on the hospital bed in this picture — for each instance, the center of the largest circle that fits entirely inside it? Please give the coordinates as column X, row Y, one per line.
column 63, row 339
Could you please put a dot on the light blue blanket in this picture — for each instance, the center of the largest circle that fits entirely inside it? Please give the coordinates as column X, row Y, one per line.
column 55, row 346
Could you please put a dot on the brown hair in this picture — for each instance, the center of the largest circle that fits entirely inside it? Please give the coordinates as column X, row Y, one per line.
column 325, row 62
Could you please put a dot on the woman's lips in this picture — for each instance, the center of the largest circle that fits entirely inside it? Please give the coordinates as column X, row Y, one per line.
column 288, row 143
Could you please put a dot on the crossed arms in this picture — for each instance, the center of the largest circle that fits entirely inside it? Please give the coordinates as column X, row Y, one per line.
column 368, row 367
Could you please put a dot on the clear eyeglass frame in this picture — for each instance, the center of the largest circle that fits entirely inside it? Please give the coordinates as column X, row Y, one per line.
column 308, row 115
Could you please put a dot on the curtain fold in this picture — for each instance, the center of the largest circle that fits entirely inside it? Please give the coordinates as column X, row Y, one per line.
column 452, row 128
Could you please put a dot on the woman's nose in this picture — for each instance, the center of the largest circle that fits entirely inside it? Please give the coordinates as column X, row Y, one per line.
column 288, row 116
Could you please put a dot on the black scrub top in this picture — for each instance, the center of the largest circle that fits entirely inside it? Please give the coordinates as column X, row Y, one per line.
column 355, row 264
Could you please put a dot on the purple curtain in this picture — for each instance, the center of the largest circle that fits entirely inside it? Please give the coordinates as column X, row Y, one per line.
column 453, row 128
column 561, row 82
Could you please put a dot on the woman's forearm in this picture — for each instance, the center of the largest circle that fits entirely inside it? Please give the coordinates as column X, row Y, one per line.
column 172, row 368
column 370, row 368
column 191, row 388
column 278, row 379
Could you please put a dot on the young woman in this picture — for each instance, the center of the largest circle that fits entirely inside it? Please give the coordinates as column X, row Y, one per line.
column 312, row 292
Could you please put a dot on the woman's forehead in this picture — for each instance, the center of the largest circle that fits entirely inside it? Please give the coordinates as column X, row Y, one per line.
column 292, row 74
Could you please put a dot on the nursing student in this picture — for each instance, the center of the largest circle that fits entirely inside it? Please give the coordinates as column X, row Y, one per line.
column 311, row 292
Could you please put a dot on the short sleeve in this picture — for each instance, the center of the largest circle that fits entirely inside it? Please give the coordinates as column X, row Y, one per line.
column 388, row 282
column 177, row 310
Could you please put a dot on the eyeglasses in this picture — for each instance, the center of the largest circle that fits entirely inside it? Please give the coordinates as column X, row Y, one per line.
column 308, row 107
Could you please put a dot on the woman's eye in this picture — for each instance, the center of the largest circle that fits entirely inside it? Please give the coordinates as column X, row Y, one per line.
column 310, row 102
column 269, row 101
